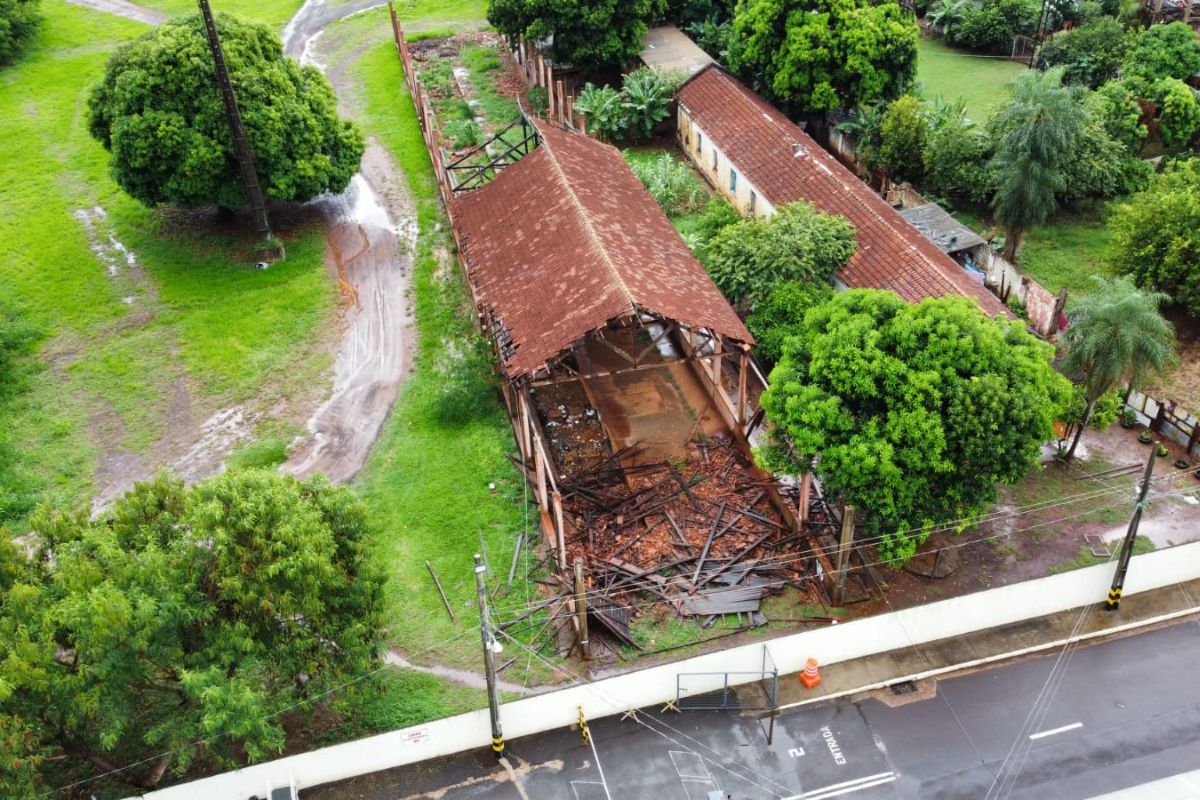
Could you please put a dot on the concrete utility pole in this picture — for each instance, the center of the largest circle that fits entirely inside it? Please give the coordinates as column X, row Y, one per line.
column 489, row 641
column 241, row 146
column 1114, row 594
column 843, row 554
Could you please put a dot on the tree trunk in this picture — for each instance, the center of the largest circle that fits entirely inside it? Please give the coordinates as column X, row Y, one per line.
column 147, row 781
column 1087, row 417
column 1012, row 240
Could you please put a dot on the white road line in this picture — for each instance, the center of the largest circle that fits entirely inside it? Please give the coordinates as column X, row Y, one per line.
column 599, row 769
column 845, row 787
column 1063, row 729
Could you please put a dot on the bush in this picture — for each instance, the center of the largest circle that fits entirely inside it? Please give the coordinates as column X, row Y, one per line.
column 991, row 25
column 1163, row 51
column 798, row 243
column 781, row 313
column 903, row 132
column 1091, row 54
column 19, row 20
column 1101, row 166
column 956, row 158
column 712, row 36
column 464, row 134
column 1156, row 235
column 539, row 99
column 604, row 111
column 669, row 181
column 1178, row 113
column 1119, row 112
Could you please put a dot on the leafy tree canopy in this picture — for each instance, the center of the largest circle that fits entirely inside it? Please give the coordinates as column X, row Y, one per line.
column 798, row 243
column 912, row 413
column 822, row 55
column 1163, row 51
column 1178, row 112
column 19, row 19
column 1118, row 109
column 160, row 113
column 590, row 34
column 899, row 142
column 1156, row 236
column 781, row 313
column 990, row 25
column 184, row 616
column 1090, row 54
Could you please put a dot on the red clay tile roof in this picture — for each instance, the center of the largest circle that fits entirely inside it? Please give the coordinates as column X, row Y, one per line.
column 785, row 164
column 567, row 240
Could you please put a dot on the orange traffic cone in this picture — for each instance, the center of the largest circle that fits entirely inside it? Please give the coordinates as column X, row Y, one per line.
column 810, row 677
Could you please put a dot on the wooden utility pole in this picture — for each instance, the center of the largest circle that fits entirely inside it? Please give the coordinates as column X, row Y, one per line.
column 489, row 664
column 245, row 157
column 1118, row 584
column 843, row 554
column 581, row 609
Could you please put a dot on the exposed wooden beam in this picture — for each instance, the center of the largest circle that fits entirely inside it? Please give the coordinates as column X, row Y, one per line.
column 625, row 370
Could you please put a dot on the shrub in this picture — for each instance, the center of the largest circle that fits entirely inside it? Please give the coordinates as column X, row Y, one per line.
column 670, row 182
column 263, row 454
column 991, row 25
column 1163, row 51
column 903, row 132
column 798, row 243
column 19, row 20
column 1091, row 54
column 956, row 158
column 1178, row 112
column 1119, row 112
column 604, row 110
column 1101, row 166
column 539, row 99
column 780, row 315
column 463, row 133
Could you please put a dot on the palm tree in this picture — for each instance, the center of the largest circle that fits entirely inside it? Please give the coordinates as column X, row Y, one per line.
column 1116, row 336
column 1037, row 132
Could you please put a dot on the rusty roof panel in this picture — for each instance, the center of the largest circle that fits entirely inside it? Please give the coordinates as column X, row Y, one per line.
column 785, row 165
column 567, row 240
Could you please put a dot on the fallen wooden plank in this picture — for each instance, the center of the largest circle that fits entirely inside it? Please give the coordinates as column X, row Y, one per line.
column 438, row 584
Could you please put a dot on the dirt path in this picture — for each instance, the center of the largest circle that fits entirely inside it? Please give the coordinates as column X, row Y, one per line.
column 371, row 234
column 125, row 9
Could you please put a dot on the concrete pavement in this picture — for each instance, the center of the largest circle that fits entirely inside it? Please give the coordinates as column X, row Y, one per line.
column 1122, row 712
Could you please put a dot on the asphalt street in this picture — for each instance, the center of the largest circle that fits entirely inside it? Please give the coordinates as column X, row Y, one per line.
column 1116, row 715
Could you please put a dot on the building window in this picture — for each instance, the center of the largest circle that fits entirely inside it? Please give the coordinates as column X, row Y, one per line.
column 753, row 200
column 714, row 158
column 699, row 141
column 732, row 180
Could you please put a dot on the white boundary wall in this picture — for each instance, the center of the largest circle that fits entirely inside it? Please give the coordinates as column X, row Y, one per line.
column 655, row 685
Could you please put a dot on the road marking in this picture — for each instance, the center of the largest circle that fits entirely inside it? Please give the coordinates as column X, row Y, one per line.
column 1063, row 729
column 599, row 768
column 846, row 787
column 796, row 752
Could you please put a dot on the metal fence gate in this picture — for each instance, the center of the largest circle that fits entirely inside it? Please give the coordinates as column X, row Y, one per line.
column 742, row 690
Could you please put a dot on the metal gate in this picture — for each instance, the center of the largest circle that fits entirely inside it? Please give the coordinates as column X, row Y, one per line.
column 737, row 690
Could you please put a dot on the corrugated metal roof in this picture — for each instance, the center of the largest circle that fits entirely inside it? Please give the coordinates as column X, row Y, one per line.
column 567, row 240
column 935, row 224
column 785, row 165
column 667, row 47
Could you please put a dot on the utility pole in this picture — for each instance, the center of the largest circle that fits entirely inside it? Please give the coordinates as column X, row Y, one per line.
column 581, row 609
column 489, row 642
column 843, row 555
column 1114, row 594
column 245, row 158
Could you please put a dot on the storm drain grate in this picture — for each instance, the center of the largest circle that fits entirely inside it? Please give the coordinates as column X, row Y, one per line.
column 904, row 687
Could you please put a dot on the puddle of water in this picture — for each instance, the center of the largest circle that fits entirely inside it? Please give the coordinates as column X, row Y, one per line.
column 110, row 251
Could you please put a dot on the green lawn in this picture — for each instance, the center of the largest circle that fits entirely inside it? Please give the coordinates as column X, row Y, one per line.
column 119, row 349
column 1067, row 251
column 275, row 13
column 949, row 74
column 427, row 482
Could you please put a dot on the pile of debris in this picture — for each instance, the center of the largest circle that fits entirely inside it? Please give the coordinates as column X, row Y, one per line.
column 698, row 534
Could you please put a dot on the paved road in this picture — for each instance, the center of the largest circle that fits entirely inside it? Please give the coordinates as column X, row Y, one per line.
column 1127, row 712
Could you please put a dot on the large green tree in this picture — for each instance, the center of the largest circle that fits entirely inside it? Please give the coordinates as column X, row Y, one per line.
column 798, row 243
column 1091, row 54
column 19, row 20
column 1116, row 337
column 1036, row 135
column 1156, row 236
column 183, row 622
column 816, row 56
column 1163, row 51
column 160, row 112
column 591, row 35
column 912, row 413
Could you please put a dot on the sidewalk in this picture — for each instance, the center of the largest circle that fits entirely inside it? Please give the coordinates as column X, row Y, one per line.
column 969, row 650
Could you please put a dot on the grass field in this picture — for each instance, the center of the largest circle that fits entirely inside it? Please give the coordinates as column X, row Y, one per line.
column 427, row 482
column 273, row 12
column 120, row 346
column 950, row 74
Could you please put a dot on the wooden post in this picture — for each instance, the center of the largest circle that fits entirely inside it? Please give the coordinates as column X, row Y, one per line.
column 805, row 498
column 540, row 471
column 550, row 93
column 571, row 110
column 558, row 89
column 743, row 370
column 558, row 524
column 581, row 609
column 541, row 71
column 583, row 124
column 843, row 554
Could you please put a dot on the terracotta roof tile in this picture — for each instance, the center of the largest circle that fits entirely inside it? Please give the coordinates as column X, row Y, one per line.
column 785, row 165
column 567, row 240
